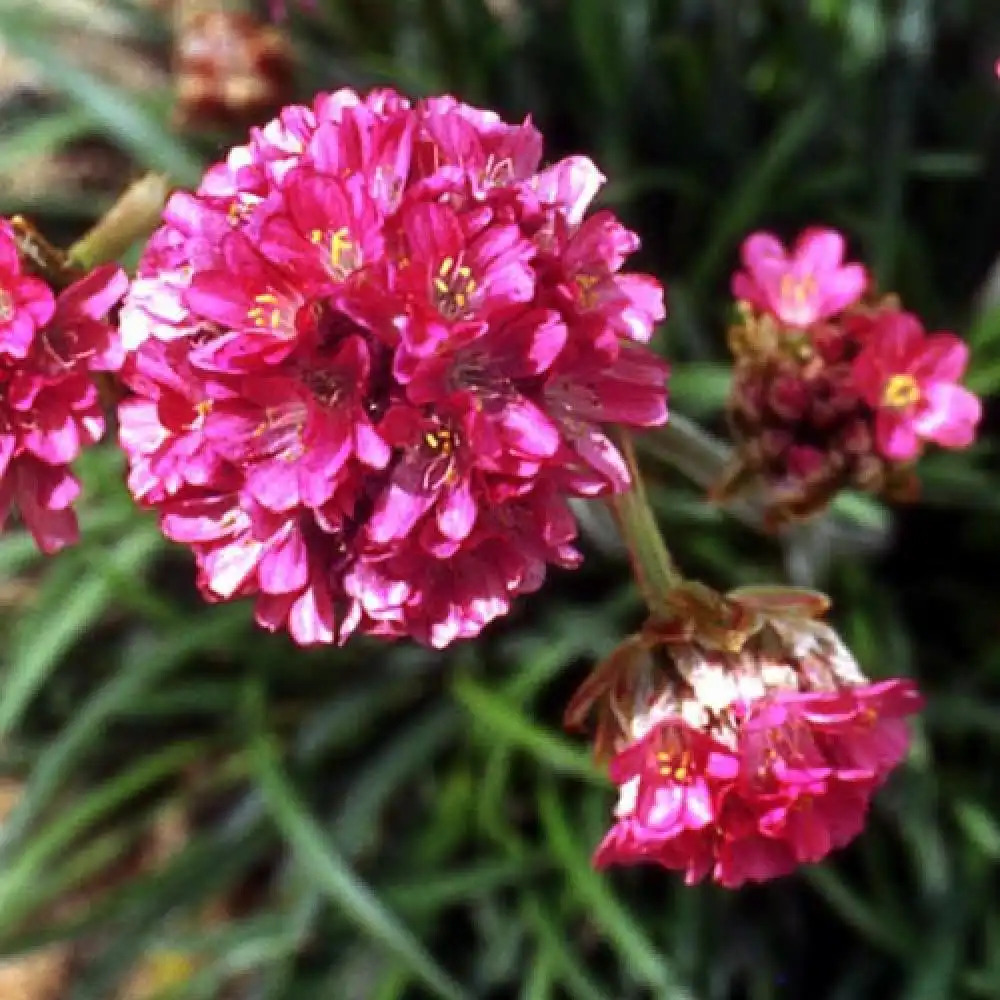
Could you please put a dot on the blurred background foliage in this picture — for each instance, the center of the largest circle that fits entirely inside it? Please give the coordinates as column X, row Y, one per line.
column 195, row 809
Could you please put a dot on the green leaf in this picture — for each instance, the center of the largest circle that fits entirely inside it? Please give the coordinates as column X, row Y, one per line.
column 17, row 880
column 316, row 854
column 56, row 625
column 554, row 946
column 592, row 891
column 41, row 137
column 56, row 764
column 763, row 178
column 133, row 126
column 503, row 722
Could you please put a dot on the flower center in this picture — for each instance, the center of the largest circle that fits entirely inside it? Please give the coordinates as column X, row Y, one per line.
column 6, row 306
column 798, row 290
column 279, row 434
column 326, row 386
column 441, row 468
column 585, row 284
column 901, row 392
column 497, row 173
column 343, row 255
column 673, row 765
column 454, row 286
column 267, row 312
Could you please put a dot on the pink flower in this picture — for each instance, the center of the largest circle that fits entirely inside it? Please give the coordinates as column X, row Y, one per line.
column 26, row 303
column 911, row 380
column 801, row 288
column 745, row 752
column 371, row 359
column 49, row 403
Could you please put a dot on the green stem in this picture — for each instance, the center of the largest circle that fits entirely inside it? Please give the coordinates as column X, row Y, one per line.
column 134, row 215
column 654, row 567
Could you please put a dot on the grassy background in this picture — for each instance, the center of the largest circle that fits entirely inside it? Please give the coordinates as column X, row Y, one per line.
column 207, row 802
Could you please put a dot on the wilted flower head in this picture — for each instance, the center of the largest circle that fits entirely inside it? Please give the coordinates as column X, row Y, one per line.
column 49, row 405
column 374, row 355
column 742, row 735
column 840, row 395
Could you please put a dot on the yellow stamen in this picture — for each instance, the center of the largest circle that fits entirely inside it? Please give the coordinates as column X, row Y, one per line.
column 901, row 392
column 586, row 283
column 799, row 290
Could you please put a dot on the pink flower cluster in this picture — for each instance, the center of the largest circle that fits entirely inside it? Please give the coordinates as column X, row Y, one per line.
column 50, row 409
column 744, row 752
column 371, row 358
column 830, row 391
column 795, row 785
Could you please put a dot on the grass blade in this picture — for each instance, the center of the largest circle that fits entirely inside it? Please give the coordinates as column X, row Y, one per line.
column 316, row 854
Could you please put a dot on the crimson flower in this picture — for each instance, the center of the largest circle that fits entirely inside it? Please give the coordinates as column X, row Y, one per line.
column 372, row 358
column 49, row 406
column 911, row 380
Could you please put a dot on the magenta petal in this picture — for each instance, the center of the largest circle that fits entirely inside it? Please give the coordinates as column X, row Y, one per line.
column 370, row 447
column 896, row 436
column 951, row 416
column 944, row 358
column 819, row 251
column 311, row 619
column 397, row 511
column 8, row 445
column 662, row 808
column 17, row 335
column 699, row 810
column 275, row 485
column 215, row 296
column 745, row 289
column 95, row 293
column 52, row 530
column 457, row 513
column 529, row 431
column 570, row 184
column 842, row 288
column 55, row 488
column 595, row 446
column 36, row 299
column 54, row 444
column 284, row 566
column 231, row 566
column 762, row 248
column 808, row 834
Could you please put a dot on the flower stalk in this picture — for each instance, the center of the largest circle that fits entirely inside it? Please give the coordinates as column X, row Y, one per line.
column 655, row 570
column 132, row 217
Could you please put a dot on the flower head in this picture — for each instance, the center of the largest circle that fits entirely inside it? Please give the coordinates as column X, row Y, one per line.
column 371, row 359
column 910, row 379
column 802, row 287
column 26, row 302
column 50, row 349
column 743, row 737
column 842, row 397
